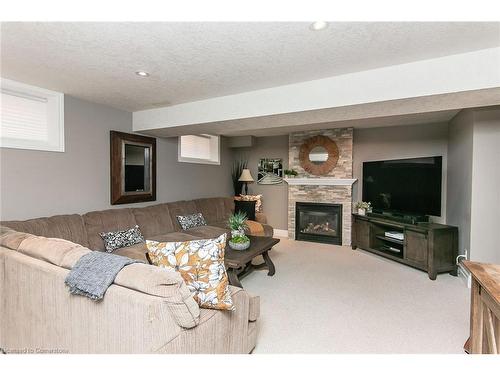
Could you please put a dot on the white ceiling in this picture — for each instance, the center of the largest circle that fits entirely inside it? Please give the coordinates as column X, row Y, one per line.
column 194, row 61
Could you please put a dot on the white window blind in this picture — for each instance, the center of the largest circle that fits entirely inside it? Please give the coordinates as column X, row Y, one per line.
column 31, row 117
column 195, row 146
column 202, row 148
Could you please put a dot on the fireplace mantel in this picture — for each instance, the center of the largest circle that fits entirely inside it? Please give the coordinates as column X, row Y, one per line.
column 320, row 181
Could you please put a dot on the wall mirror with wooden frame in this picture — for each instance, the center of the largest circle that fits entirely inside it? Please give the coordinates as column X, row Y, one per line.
column 133, row 168
column 318, row 155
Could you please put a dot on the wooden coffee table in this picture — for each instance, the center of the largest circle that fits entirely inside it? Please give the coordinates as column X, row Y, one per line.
column 239, row 262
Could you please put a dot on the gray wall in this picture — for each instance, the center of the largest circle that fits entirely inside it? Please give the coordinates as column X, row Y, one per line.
column 398, row 142
column 275, row 197
column 460, row 176
column 40, row 183
column 176, row 181
column 485, row 207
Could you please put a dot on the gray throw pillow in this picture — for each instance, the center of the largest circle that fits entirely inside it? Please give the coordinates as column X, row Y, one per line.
column 191, row 221
column 121, row 238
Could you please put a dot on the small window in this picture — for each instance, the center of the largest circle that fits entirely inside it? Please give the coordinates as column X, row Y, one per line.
column 32, row 117
column 201, row 148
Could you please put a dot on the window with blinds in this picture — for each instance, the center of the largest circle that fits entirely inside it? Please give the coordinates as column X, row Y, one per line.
column 201, row 148
column 31, row 117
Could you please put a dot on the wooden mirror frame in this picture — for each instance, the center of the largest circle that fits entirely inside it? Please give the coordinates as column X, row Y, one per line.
column 117, row 178
column 323, row 168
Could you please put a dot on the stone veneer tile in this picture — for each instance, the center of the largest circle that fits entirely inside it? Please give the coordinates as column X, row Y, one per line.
column 323, row 193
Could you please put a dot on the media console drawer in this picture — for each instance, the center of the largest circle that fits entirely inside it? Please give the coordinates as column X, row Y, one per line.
column 427, row 246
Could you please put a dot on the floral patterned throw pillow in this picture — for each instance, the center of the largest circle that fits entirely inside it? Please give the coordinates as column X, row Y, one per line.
column 201, row 265
column 121, row 238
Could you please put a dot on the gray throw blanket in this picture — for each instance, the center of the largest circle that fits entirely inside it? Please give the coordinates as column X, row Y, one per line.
column 94, row 272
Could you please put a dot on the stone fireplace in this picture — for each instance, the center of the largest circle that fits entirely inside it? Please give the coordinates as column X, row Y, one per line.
column 334, row 188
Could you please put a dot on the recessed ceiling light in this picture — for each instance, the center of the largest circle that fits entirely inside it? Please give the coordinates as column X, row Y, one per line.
column 319, row 25
column 142, row 73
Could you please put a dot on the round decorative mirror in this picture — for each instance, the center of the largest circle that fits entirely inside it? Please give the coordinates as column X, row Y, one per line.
column 318, row 155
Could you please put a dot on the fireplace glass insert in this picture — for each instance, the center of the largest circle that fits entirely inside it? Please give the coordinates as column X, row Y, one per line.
column 319, row 222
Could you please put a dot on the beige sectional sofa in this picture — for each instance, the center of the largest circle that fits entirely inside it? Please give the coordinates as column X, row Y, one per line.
column 146, row 310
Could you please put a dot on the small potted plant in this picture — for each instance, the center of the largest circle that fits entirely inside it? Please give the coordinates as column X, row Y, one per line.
column 363, row 207
column 237, row 224
column 290, row 173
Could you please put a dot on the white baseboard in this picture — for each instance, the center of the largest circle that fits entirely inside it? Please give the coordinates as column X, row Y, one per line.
column 280, row 233
column 464, row 275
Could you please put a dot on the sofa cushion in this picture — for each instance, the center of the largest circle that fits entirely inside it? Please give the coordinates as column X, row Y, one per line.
column 228, row 207
column 154, row 220
column 59, row 252
column 215, row 209
column 180, row 208
column 207, row 231
column 106, row 221
column 201, row 265
column 68, row 227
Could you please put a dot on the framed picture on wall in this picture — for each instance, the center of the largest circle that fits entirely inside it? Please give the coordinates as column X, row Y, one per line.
column 270, row 172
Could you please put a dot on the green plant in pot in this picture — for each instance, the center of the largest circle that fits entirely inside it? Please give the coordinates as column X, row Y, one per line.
column 237, row 224
column 363, row 207
column 290, row 172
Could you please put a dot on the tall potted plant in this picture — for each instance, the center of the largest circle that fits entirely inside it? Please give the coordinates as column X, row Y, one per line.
column 238, row 166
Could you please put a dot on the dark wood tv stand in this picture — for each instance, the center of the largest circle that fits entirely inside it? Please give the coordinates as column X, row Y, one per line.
column 429, row 247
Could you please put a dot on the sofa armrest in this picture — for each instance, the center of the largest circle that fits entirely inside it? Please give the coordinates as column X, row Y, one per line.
column 245, row 314
column 260, row 218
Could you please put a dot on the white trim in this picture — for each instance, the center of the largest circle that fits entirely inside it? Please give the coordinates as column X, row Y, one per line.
column 320, row 181
column 55, row 110
column 464, row 275
column 197, row 161
column 280, row 233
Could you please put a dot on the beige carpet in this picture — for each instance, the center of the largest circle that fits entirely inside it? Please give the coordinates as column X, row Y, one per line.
column 331, row 299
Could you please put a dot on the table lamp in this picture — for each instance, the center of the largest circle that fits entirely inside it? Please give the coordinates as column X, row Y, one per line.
column 246, row 178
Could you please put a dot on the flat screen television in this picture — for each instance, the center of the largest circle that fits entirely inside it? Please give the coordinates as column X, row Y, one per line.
column 404, row 186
